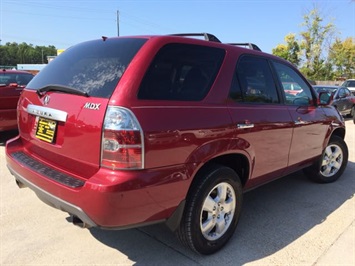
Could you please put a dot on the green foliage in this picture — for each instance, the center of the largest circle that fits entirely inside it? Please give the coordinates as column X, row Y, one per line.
column 314, row 38
column 316, row 53
column 289, row 51
column 23, row 53
column 342, row 56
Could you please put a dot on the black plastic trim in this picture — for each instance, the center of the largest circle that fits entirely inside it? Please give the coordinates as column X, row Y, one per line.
column 47, row 171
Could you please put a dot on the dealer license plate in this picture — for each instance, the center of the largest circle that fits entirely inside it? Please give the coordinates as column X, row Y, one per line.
column 46, row 129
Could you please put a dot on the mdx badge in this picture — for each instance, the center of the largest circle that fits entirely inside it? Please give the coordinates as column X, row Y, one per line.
column 92, row 106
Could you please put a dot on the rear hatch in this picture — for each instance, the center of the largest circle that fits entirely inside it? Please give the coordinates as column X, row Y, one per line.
column 62, row 110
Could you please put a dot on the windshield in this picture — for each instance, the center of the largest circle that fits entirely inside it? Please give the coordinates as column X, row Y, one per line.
column 93, row 67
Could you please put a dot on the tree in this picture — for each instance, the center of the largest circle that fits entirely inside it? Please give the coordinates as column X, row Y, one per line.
column 314, row 52
column 342, row 57
column 289, row 51
column 313, row 44
column 12, row 54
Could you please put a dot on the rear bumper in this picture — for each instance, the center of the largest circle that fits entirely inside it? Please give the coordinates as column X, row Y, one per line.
column 53, row 200
column 108, row 199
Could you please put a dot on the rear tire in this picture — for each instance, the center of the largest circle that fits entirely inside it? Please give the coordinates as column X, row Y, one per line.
column 212, row 211
column 331, row 164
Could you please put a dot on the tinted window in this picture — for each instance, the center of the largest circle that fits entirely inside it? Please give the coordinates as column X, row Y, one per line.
column 181, row 72
column 20, row 78
column 94, row 67
column 254, row 82
column 296, row 90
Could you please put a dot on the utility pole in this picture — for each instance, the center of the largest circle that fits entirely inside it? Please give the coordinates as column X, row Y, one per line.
column 118, row 23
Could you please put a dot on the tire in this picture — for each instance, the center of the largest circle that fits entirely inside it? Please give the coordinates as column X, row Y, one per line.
column 352, row 113
column 212, row 211
column 332, row 162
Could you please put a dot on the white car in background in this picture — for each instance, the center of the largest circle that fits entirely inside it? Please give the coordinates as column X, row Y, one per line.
column 350, row 84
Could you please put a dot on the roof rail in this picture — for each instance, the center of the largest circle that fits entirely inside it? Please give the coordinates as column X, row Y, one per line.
column 248, row 44
column 207, row 36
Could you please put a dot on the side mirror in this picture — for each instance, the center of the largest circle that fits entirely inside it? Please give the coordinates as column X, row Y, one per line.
column 325, row 98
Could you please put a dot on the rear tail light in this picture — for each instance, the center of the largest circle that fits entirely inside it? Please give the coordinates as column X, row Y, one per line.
column 122, row 140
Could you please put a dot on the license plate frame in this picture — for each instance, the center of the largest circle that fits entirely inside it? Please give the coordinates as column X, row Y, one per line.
column 46, row 129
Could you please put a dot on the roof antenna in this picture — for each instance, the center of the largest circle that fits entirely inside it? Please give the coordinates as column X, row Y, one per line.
column 104, row 38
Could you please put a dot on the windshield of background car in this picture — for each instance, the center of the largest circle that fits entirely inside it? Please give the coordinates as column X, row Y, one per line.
column 20, row 78
column 94, row 67
column 327, row 89
column 349, row 83
column 182, row 72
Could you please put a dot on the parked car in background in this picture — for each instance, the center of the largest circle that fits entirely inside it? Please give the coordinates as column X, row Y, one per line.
column 343, row 99
column 126, row 131
column 350, row 84
column 292, row 88
column 12, row 82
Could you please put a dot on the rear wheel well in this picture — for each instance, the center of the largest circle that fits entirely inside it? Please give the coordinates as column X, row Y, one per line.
column 340, row 132
column 237, row 162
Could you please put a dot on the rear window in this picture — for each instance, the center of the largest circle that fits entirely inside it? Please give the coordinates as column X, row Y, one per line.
column 181, row 72
column 94, row 67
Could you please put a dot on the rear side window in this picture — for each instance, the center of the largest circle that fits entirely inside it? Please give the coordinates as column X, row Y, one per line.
column 94, row 67
column 181, row 72
column 254, row 81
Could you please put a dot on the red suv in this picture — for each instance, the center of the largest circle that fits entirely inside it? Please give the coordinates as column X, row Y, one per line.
column 129, row 131
column 12, row 83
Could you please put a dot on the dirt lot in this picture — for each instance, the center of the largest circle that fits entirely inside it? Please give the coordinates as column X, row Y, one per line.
column 291, row 221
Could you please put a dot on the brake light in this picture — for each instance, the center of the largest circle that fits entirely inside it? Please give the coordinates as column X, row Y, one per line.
column 122, row 145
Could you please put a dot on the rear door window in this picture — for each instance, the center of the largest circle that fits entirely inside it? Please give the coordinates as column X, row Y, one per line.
column 254, row 82
column 94, row 67
column 181, row 72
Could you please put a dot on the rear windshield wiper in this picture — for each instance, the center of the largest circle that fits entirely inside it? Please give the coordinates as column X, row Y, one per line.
column 57, row 87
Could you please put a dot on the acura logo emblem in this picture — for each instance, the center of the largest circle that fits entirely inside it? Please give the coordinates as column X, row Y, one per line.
column 46, row 99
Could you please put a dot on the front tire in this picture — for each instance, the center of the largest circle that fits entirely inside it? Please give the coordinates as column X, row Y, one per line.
column 212, row 211
column 331, row 164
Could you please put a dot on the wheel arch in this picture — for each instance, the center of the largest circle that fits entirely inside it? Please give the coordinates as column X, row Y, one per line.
column 237, row 162
column 340, row 132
